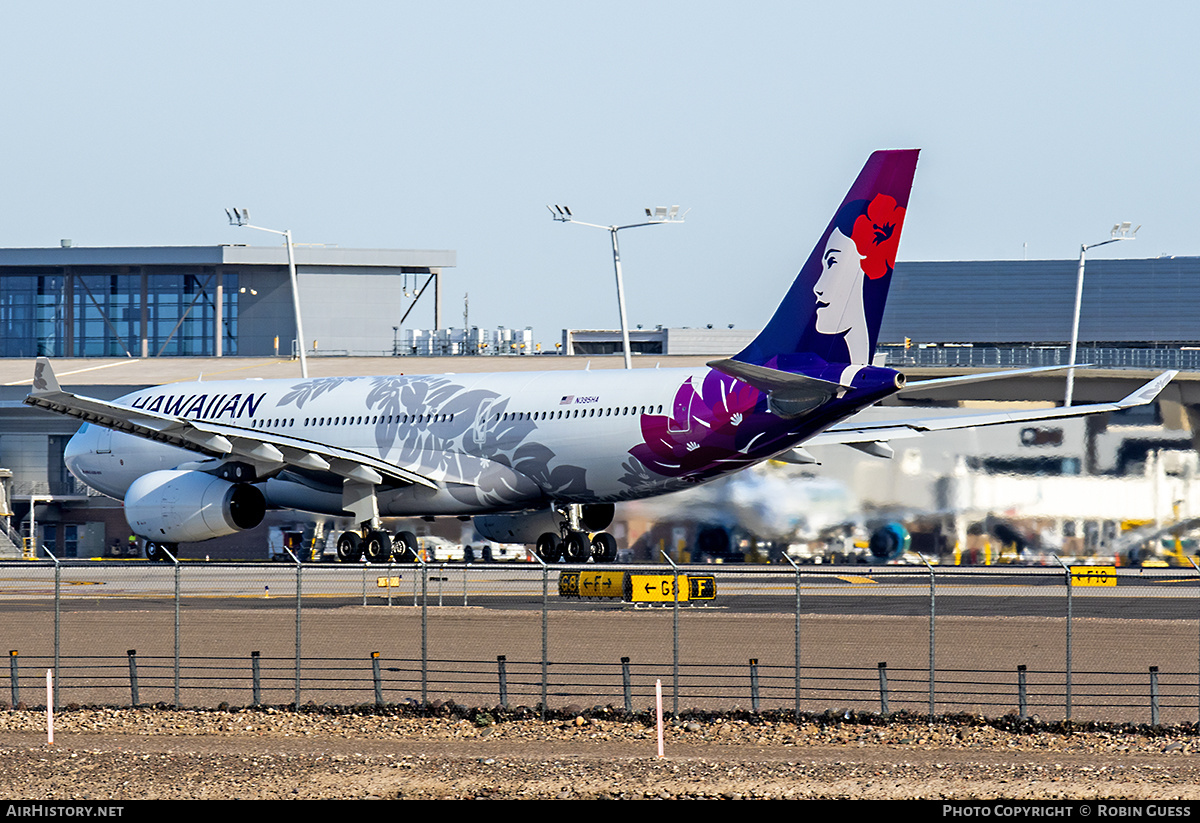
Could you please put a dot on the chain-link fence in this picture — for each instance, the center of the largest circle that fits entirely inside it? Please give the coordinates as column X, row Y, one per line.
column 992, row 641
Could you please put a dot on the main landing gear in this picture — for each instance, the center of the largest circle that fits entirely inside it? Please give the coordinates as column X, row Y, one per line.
column 376, row 545
column 574, row 543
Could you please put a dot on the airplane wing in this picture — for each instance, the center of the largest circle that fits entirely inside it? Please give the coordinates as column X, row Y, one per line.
column 854, row 431
column 268, row 452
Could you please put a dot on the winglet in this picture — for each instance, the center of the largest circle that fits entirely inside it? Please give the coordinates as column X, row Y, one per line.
column 1148, row 392
column 44, row 381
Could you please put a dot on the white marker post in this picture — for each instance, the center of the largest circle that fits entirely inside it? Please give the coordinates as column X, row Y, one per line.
column 50, row 707
column 658, row 711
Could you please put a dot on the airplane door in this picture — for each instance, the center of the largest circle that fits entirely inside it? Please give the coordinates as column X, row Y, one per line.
column 479, row 431
column 680, row 420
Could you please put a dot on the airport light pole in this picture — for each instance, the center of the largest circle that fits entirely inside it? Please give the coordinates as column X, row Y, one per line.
column 660, row 214
column 242, row 218
column 1121, row 231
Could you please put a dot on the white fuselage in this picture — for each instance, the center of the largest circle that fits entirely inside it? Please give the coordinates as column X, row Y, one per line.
column 490, row 442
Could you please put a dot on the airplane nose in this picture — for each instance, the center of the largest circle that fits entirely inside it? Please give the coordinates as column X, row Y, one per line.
column 78, row 447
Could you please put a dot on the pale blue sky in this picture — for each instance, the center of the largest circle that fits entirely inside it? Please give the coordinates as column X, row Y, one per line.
column 452, row 125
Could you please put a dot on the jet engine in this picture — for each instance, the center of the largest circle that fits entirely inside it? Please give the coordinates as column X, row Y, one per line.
column 190, row 506
column 889, row 542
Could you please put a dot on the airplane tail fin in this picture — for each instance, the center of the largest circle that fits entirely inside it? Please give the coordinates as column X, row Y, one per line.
column 835, row 305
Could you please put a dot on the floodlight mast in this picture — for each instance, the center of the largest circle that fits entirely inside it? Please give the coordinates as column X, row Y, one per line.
column 241, row 218
column 1120, row 231
column 661, row 214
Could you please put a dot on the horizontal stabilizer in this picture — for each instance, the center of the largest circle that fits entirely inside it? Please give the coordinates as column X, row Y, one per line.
column 789, row 395
column 857, row 431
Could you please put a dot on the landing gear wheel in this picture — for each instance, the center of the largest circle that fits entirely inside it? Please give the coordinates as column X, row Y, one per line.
column 577, row 548
column 378, row 547
column 405, row 547
column 349, row 547
column 604, row 548
column 549, row 548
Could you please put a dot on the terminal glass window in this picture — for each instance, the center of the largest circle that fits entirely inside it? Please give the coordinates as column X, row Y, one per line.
column 98, row 311
column 31, row 317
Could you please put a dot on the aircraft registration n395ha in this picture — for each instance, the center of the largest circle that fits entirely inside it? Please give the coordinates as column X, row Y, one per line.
column 538, row 458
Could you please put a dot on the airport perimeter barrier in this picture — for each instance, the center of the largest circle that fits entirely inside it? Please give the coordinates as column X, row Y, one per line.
column 1120, row 645
column 1026, row 356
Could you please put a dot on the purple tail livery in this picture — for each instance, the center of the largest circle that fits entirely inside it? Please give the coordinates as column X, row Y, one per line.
column 834, row 307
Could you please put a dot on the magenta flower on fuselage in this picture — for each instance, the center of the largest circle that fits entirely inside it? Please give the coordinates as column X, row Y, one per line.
column 705, row 427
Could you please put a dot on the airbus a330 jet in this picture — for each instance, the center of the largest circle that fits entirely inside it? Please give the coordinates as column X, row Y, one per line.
column 535, row 458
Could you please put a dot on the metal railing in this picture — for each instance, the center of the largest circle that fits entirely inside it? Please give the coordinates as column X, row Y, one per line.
column 936, row 640
column 1027, row 356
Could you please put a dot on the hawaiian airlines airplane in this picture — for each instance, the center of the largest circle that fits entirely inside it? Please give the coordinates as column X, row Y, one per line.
column 537, row 458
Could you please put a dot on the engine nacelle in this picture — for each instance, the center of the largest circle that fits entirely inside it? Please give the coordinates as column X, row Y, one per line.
column 190, row 506
column 890, row 542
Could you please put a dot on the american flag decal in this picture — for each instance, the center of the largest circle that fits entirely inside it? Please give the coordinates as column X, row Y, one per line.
column 566, row 400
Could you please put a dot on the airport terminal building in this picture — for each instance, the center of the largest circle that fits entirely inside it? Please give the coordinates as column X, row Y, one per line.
column 208, row 301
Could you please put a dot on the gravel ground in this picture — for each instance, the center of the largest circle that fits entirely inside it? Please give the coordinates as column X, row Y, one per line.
column 124, row 754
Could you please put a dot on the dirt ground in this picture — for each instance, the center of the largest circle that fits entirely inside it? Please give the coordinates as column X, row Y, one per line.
column 124, row 754
column 215, row 752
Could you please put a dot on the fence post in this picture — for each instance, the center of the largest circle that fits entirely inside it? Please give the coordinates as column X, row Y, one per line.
column 133, row 683
column 545, row 628
column 502, row 673
column 674, row 638
column 932, row 615
column 1154, row 695
column 378, row 680
column 299, row 567
column 57, row 616
column 12, row 677
column 628, row 684
column 175, row 561
column 796, row 695
column 797, row 690
column 255, row 679
column 883, row 690
column 1197, row 568
column 1070, row 592
column 754, row 683
column 424, row 629
column 1022, row 697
